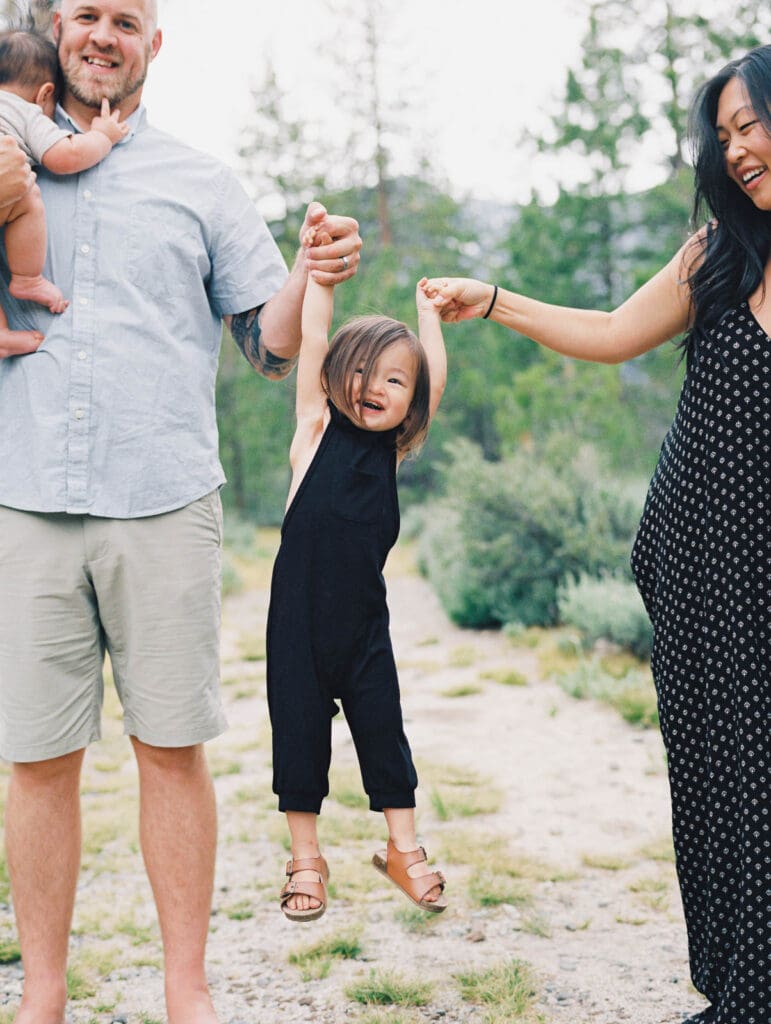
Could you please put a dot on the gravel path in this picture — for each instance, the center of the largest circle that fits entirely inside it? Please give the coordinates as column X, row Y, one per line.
column 554, row 805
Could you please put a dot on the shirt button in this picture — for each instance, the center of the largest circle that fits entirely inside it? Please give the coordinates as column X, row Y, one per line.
column 81, row 354
column 85, row 249
column 79, row 414
column 88, row 194
column 83, row 300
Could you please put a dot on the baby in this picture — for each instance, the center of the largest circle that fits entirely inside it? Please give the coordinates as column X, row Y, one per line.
column 29, row 83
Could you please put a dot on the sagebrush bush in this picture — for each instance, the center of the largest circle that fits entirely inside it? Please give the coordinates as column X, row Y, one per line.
column 606, row 608
column 505, row 534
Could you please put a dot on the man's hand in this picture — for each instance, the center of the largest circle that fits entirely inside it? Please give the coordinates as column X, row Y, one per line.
column 109, row 124
column 336, row 261
column 16, row 177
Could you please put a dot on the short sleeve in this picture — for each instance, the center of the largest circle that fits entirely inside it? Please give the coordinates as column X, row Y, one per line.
column 42, row 133
column 247, row 267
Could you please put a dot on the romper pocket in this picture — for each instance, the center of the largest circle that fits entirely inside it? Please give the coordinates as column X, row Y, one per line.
column 359, row 497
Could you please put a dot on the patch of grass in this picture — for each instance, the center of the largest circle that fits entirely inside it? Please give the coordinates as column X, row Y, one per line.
column 415, row 920
column 9, row 951
column 252, row 647
column 633, row 695
column 78, row 985
column 148, row 961
column 315, row 961
column 242, row 911
column 652, row 892
column 462, row 657
column 604, row 861
column 345, row 789
column 339, row 826
column 507, row 991
column 140, row 935
column 464, row 803
column 390, row 1017
column 387, row 988
column 492, row 888
column 537, row 924
column 464, row 690
column 505, row 676
column 660, row 850
column 491, row 852
column 428, row 641
column 635, row 922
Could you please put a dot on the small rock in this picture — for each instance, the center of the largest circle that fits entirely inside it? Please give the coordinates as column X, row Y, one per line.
column 476, row 936
column 305, row 1001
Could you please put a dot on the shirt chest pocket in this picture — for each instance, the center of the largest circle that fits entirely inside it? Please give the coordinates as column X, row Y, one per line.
column 165, row 254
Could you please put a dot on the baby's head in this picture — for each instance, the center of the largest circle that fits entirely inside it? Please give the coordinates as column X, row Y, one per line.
column 376, row 373
column 29, row 67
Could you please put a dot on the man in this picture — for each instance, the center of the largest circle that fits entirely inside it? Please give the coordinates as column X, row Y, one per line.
column 110, row 524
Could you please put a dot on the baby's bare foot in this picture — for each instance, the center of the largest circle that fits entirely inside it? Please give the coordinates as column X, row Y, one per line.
column 38, row 289
column 18, row 343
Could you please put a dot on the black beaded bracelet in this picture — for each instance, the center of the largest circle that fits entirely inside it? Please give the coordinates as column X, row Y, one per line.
column 492, row 302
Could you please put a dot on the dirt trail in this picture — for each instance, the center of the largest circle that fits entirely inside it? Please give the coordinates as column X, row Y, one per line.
column 568, row 784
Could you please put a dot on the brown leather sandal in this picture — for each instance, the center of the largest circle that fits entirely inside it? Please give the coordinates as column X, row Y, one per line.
column 394, row 864
column 316, row 890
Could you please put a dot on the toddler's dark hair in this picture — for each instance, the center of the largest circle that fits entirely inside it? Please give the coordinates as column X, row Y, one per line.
column 358, row 345
column 28, row 59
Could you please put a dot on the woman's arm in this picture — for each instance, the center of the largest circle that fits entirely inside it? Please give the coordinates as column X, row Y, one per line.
column 658, row 311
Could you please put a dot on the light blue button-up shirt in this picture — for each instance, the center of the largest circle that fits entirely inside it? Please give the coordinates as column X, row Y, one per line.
column 114, row 414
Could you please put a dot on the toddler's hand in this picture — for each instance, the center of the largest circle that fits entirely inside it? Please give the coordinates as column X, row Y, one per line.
column 315, row 236
column 424, row 297
column 108, row 124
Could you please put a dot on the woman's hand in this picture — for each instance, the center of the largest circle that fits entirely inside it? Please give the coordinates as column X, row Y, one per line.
column 459, row 298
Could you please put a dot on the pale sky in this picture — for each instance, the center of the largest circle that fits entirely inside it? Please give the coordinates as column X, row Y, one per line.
column 476, row 72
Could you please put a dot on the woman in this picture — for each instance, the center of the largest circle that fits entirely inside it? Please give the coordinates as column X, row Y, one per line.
column 701, row 558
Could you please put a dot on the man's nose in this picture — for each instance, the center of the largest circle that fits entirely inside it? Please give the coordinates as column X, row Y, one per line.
column 103, row 33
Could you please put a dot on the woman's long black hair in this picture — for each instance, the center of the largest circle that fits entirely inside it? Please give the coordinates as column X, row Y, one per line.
column 737, row 243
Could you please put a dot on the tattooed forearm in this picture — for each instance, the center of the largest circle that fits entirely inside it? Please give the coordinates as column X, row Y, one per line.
column 245, row 328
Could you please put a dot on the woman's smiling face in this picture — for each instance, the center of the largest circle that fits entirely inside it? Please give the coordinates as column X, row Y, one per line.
column 746, row 143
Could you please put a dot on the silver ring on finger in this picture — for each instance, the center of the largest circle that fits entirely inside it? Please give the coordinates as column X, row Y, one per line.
column 345, row 262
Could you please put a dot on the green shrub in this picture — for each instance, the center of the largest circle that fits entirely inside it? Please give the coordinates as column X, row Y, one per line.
column 633, row 695
column 504, row 536
column 606, row 608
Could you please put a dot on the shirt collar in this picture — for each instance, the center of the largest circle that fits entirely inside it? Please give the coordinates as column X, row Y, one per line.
column 137, row 122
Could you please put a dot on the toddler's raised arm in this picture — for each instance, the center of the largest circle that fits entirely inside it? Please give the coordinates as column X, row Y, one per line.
column 430, row 334
column 79, row 152
column 316, row 321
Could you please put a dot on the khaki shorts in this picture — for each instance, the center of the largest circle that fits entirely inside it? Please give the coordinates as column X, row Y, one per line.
column 146, row 590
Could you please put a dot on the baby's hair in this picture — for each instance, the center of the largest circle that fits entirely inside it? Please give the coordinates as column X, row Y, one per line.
column 358, row 345
column 28, row 60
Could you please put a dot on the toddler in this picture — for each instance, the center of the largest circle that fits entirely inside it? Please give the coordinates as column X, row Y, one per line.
column 363, row 402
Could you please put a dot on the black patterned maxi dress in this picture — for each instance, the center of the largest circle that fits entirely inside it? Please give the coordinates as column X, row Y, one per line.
column 701, row 561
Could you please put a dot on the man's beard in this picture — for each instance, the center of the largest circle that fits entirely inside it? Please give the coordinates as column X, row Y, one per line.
column 91, row 94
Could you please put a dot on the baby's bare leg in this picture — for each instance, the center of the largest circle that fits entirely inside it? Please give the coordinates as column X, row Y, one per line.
column 25, row 246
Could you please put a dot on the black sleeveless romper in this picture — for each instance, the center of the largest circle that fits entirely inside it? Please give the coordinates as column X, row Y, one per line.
column 702, row 563
column 328, row 633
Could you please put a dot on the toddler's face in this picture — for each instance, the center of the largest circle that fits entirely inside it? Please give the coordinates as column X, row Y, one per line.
column 389, row 391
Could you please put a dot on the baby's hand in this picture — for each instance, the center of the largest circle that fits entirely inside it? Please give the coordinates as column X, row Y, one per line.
column 108, row 124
